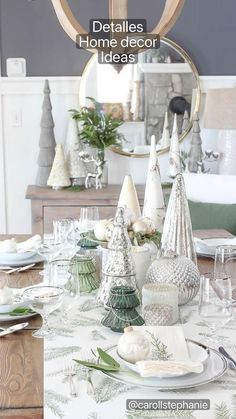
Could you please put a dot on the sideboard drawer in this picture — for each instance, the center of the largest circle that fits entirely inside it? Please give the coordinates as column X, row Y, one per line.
column 58, row 212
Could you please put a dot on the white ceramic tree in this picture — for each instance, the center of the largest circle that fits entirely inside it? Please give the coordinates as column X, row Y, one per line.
column 47, row 141
column 59, row 177
column 165, row 139
column 128, row 198
column 174, row 156
column 154, row 207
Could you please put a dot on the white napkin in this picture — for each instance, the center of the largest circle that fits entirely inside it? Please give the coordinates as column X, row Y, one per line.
column 170, row 342
column 29, row 245
column 158, row 368
column 208, row 246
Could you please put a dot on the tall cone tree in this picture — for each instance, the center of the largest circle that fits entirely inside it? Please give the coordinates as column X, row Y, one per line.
column 177, row 236
column 196, row 153
column 47, row 141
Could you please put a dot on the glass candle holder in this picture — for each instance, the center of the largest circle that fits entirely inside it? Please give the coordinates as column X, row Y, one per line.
column 162, row 294
column 158, row 315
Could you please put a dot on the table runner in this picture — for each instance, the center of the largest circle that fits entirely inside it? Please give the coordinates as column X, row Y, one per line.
column 85, row 331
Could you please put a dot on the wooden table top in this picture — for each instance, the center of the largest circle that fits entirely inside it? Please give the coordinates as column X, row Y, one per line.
column 21, row 355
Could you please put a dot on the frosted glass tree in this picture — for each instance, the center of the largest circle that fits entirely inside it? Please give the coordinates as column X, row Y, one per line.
column 174, row 156
column 195, row 153
column 47, row 141
column 59, row 177
column 73, row 147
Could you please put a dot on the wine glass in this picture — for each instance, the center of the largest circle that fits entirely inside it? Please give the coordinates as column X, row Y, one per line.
column 48, row 250
column 225, row 264
column 214, row 308
column 43, row 300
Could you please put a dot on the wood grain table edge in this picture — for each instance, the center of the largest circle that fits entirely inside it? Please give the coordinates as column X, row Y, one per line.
column 27, row 413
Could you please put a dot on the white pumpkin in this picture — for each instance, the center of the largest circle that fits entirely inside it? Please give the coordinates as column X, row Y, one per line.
column 150, row 226
column 100, row 230
column 140, row 227
column 133, row 346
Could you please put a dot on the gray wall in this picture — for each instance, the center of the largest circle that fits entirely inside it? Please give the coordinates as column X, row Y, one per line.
column 206, row 29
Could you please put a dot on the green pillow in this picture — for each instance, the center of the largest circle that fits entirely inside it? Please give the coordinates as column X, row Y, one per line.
column 207, row 216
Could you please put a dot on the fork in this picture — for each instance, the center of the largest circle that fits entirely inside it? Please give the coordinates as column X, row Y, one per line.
column 86, row 356
column 70, row 372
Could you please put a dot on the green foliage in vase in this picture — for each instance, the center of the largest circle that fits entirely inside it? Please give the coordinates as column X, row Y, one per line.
column 99, row 129
column 140, row 239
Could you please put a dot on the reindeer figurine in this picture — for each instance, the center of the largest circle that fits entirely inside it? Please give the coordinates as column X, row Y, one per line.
column 97, row 175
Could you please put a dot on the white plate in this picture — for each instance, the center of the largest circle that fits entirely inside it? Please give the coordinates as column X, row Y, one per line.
column 208, row 246
column 18, row 263
column 215, row 367
column 7, row 318
column 16, row 257
column 196, row 354
column 7, row 308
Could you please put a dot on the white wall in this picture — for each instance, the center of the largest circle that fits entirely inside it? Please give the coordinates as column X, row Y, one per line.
column 20, row 112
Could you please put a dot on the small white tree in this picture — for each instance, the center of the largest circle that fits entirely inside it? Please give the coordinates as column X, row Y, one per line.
column 59, row 177
column 73, row 147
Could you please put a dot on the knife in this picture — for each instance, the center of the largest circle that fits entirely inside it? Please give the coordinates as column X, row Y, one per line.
column 227, row 355
column 14, row 328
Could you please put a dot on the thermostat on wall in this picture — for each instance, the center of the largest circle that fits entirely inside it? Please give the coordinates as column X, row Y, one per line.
column 16, row 67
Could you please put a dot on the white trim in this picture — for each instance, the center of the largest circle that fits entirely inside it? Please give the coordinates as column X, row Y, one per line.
column 34, row 85
column 3, row 210
column 214, row 82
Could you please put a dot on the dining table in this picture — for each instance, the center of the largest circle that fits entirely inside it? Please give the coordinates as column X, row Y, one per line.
column 33, row 372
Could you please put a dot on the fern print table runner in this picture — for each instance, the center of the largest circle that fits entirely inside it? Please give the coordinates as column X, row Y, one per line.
column 109, row 399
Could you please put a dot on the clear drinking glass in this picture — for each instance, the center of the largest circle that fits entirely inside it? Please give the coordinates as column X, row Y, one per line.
column 89, row 216
column 65, row 232
column 44, row 300
column 225, row 264
column 64, row 274
column 214, row 308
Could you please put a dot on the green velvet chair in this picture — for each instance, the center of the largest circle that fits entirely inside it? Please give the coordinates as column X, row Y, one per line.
column 207, row 216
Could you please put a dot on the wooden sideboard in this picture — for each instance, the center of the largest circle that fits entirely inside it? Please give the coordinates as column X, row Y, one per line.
column 48, row 205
